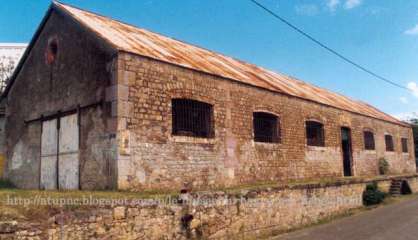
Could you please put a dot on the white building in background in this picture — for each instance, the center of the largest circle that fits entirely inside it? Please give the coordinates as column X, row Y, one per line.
column 10, row 54
column 12, row 51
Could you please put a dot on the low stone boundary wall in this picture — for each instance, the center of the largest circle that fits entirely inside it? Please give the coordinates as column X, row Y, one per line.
column 249, row 214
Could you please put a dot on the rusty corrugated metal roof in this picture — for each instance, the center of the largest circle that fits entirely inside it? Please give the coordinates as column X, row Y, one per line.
column 135, row 40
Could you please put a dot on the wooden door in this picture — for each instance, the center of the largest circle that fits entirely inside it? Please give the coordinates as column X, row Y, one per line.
column 49, row 152
column 68, row 157
column 60, row 153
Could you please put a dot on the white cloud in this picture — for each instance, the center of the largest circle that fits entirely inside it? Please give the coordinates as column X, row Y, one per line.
column 349, row 4
column 406, row 116
column 414, row 88
column 333, row 4
column 412, row 31
column 307, row 9
column 403, row 100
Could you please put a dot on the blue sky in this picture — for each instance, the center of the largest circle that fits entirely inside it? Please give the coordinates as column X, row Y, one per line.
column 379, row 34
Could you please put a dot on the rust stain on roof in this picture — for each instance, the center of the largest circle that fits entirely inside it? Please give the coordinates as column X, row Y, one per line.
column 138, row 41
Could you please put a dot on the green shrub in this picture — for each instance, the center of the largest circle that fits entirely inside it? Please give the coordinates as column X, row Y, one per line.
column 4, row 183
column 383, row 166
column 372, row 195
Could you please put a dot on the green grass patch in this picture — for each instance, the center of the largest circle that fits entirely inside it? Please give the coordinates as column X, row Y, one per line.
column 6, row 184
column 248, row 187
column 19, row 204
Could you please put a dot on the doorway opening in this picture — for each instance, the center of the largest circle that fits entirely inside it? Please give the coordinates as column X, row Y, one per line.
column 347, row 151
column 60, row 153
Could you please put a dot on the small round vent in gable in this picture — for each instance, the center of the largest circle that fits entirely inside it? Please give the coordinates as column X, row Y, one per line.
column 51, row 50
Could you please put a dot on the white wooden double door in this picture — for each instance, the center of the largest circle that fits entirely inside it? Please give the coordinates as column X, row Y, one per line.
column 60, row 153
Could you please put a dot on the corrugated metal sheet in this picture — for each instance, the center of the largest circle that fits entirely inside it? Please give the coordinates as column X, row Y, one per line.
column 142, row 42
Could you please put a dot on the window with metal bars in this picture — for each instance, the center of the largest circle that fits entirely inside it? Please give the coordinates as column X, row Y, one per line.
column 404, row 142
column 389, row 143
column 192, row 118
column 266, row 127
column 315, row 134
column 369, row 140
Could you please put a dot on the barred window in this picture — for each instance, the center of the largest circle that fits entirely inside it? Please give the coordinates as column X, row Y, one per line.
column 266, row 127
column 404, row 145
column 192, row 118
column 389, row 143
column 315, row 134
column 369, row 140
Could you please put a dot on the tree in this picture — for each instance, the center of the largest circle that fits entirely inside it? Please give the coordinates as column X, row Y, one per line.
column 7, row 66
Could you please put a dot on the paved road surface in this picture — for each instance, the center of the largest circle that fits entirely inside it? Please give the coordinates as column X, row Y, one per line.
column 398, row 221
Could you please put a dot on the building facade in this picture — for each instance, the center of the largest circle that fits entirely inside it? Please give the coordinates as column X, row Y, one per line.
column 113, row 106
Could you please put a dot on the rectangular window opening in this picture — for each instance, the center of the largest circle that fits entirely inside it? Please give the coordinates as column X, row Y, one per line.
column 389, row 143
column 315, row 134
column 369, row 140
column 266, row 127
column 192, row 118
column 404, row 145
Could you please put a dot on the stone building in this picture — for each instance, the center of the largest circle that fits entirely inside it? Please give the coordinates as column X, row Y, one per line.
column 99, row 104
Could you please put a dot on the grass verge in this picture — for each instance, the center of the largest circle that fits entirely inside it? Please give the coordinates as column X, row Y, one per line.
column 19, row 204
column 6, row 184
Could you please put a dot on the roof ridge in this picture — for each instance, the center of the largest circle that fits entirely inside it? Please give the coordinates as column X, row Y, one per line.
column 203, row 48
column 173, row 38
column 143, row 42
column 195, row 45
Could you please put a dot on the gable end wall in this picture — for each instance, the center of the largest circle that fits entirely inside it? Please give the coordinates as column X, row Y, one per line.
column 79, row 76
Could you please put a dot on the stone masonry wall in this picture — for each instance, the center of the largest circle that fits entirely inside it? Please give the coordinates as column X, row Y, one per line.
column 78, row 77
column 248, row 214
column 151, row 157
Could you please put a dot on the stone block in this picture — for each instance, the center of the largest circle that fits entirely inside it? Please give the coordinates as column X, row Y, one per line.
column 119, row 213
column 129, row 78
column 132, row 212
column 8, row 227
column 124, row 166
column 117, row 92
column 121, row 108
